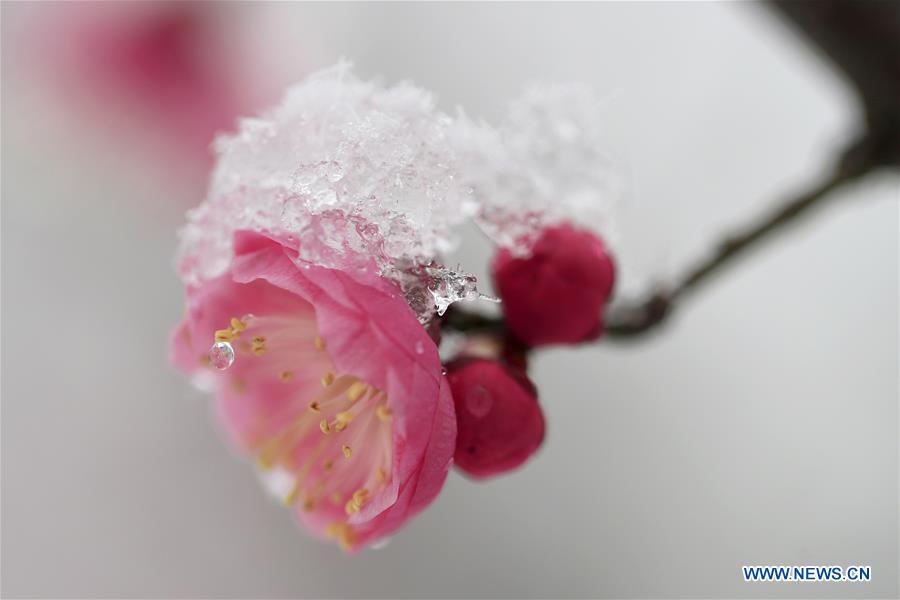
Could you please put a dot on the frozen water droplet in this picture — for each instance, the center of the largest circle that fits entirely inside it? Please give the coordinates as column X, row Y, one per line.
column 221, row 355
column 449, row 286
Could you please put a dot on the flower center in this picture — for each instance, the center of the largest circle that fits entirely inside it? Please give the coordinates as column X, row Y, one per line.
column 331, row 434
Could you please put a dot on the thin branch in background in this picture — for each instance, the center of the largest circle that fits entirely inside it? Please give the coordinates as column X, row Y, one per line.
column 634, row 318
column 861, row 41
column 642, row 315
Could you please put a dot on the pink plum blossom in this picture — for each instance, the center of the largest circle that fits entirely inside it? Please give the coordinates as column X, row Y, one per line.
column 314, row 284
column 160, row 78
column 336, row 389
column 318, row 212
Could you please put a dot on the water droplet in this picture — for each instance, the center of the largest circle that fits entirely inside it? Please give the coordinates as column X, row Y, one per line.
column 221, row 355
column 478, row 401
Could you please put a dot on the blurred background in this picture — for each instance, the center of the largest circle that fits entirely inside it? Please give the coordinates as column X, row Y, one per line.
column 759, row 427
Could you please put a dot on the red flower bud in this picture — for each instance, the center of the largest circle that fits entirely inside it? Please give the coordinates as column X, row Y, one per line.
column 557, row 294
column 498, row 419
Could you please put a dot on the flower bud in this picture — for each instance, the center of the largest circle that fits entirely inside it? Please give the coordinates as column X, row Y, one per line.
column 499, row 421
column 556, row 295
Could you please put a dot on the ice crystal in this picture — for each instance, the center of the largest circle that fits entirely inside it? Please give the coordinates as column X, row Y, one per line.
column 357, row 176
column 430, row 288
column 351, row 174
column 549, row 161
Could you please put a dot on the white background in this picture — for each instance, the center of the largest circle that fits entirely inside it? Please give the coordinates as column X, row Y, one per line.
column 760, row 427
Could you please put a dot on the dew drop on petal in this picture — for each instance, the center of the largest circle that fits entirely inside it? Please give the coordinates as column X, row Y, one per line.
column 478, row 401
column 221, row 355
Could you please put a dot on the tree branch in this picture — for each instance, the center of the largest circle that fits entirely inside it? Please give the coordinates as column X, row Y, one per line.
column 638, row 317
column 860, row 39
column 632, row 319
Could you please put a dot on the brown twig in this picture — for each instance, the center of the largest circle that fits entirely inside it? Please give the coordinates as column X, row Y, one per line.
column 860, row 39
column 634, row 318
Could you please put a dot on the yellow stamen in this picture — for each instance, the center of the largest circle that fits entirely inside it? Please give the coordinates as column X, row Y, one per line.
column 307, row 505
column 383, row 413
column 347, row 538
column 274, row 449
column 224, row 335
column 314, row 406
column 343, row 532
column 356, row 391
column 327, row 379
column 380, row 475
column 286, row 376
column 342, row 419
column 237, row 324
column 327, row 464
column 323, row 425
column 259, row 345
column 356, row 502
column 278, row 449
column 348, row 452
column 319, row 342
